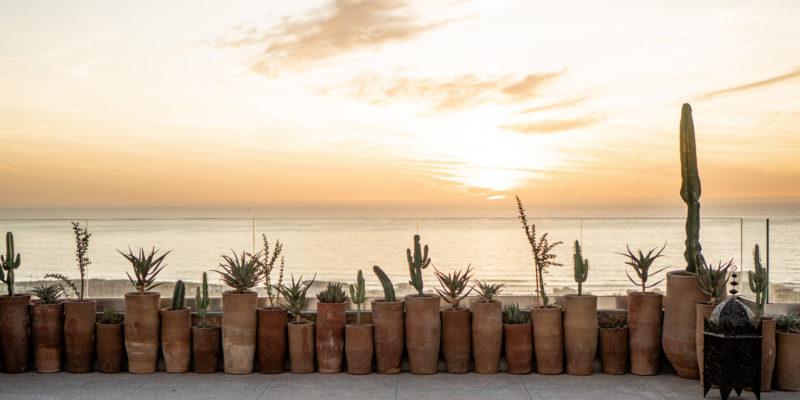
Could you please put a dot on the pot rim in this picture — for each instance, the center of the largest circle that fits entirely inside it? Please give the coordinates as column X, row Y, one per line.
column 681, row 273
column 579, row 295
column 386, row 302
column 16, row 295
column 105, row 323
column 206, row 328
column 272, row 309
column 363, row 324
column 137, row 294
column 637, row 293
column 527, row 323
column 167, row 309
column 614, row 329
column 233, row 292
column 304, row 322
column 37, row 303
column 323, row 302
column 424, row 295
column 457, row 309
column 79, row 301
column 549, row 307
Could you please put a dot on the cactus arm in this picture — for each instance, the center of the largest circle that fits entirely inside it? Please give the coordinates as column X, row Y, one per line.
column 386, row 283
column 690, row 190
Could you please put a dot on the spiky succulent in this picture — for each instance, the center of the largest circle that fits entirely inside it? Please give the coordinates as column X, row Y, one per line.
column 241, row 273
column 453, row 285
column 145, row 268
column 541, row 251
column 65, row 282
column 48, row 293
column 641, row 264
column 513, row 315
column 613, row 320
column 332, row 294
column 295, row 296
column 712, row 281
column 110, row 317
column 788, row 322
column 487, row 291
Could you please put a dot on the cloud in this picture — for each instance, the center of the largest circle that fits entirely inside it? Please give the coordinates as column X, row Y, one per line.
column 530, row 83
column 552, row 106
column 555, row 125
column 752, row 85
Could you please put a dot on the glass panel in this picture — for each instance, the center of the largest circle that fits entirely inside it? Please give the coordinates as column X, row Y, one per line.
column 784, row 260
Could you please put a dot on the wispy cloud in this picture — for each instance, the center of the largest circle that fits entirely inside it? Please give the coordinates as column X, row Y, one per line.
column 753, row 85
column 555, row 125
column 553, row 106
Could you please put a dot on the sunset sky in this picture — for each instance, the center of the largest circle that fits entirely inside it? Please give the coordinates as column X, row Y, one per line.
column 195, row 102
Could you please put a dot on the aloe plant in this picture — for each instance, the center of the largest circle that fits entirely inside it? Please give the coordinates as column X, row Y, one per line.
column 295, row 296
column 758, row 282
column 386, row 283
column 513, row 315
column 788, row 322
column 110, row 317
column 48, row 293
column 580, row 268
column 358, row 294
column 417, row 263
column 541, row 251
column 453, row 285
column 712, row 281
column 641, row 264
column 241, row 273
column 178, row 296
column 332, row 294
column 202, row 301
column 9, row 264
column 268, row 265
column 145, row 268
column 487, row 291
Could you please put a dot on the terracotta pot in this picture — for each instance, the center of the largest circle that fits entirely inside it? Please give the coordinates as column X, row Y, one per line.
column 487, row 335
column 423, row 333
column 678, row 335
column 110, row 346
column 48, row 336
column 580, row 333
column 389, row 335
column 79, row 320
column 644, row 332
column 15, row 332
column 519, row 348
column 205, row 348
column 767, row 352
column 614, row 350
column 702, row 312
column 176, row 339
column 787, row 361
column 142, row 328
column 239, row 326
column 548, row 340
column 358, row 348
column 271, row 340
column 301, row 347
column 456, row 340
column 331, row 318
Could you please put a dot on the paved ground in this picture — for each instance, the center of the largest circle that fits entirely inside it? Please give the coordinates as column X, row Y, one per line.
column 350, row 387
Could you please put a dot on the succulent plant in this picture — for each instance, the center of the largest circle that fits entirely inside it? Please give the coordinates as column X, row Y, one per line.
column 145, row 268
column 386, row 283
column 453, row 285
column 65, row 282
column 332, row 294
column 513, row 315
column 110, row 317
column 241, row 273
column 48, row 293
column 268, row 265
column 788, row 322
column 541, row 251
column 179, row 296
column 295, row 296
column 358, row 294
column 690, row 190
column 713, row 281
column 758, row 282
column 641, row 264
column 417, row 263
column 9, row 264
column 202, row 301
column 581, row 267
column 487, row 291
column 613, row 320
column 82, row 248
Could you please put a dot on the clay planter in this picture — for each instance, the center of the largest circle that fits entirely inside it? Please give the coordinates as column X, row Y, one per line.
column 239, row 326
column 702, row 312
column 48, row 336
column 787, row 361
column 644, row 332
column 519, row 348
column 767, row 352
column 456, row 340
column 678, row 335
column 388, row 332
column 79, row 320
column 301, row 347
column 331, row 318
column 487, row 335
column 205, row 348
column 614, row 350
column 142, row 328
column 358, row 348
column 580, row 333
column 110, row 346
column 271, row 342
column 548, row 340
column 423, row 333
column 176, row 339
column 15, row 332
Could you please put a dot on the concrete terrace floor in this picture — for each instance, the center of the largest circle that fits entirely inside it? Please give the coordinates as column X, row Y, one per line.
column 344, row 386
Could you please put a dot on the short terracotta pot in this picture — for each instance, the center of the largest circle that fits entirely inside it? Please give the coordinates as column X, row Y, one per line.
column 301, row 347
column 614, row 350
column 79, row 320
column 423, row 333
column 142, row 329
column 15, row 332
column 580, row 333
column 519, row 348
column 456, row 340
column 239, row 331
column 702, row 312
column 331, row 319
column 271, row 343
column 644, row 332
column 388, row 323
column 487, row 335
column 358, row 348
column 110, row 347
column 678, row 335
column 48, row 336
column 176, row 339
column 767, row 352
column 548, row 340
column 787, row 361
column 205, row 348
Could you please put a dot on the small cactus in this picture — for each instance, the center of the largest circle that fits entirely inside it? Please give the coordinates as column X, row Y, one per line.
column 202, row 301
column 386, row 283
column 417, row 263
column 358, row 294
column 178, row 295
column 9, row 263
column 758, row 282
column 581, row 267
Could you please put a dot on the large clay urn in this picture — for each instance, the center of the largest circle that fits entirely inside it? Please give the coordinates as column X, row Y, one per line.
column 48, row 336
column 271, row 340
column 239, row 326
column 301, row 347
column 767, row 352
column 519, row 348
column 388, row 322
column 580, row 333
column 15, row 332
column 548, row 340
column 614, row 350
column 787, row 361
column 205, row 348
column 678, row 335
column 456, row 340
column 702, row 313
column 331, row 318
column 358, row 348
column 423, row 333
column 644, row 332
column 80, row 318
column 176, row 339
column 487, row 335
column 142, row 329
column 110, row 347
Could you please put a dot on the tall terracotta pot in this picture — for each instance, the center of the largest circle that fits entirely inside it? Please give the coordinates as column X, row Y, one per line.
column 271, row 340
column 48, row 336
column 176, row 339
column 456, row 340
column 548, row 340
column 678, row 335
column 15, row 332
column 787, row 361
column 239, row 326
column 767, row 352
column 389, row 335
column 142, row 329
column 301, row 347
column 702, row 312
column 331, row 319
column 487, row 335
column 358, row 348
column 110, row 346
column 644, row 332
column 580, row 333
column 79, row 320
column 519, row 348
column 423, row 333
column 205, row 348
column 614, row 350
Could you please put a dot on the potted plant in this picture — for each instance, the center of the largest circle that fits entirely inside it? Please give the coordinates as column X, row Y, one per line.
column 456, row 330
column 548, row 334
column 15, row 319
column 205, row 338
column 272, row 319
column 388, row 327
column 644, row 313
column 110, row 342
column 176, row 332
column 423, row 324
column 358, row 336
column 614, row 344
column 301, row 330
column 518, row 339
column 787, row 361
column 580, row 321
column 142, row 324
column 712, row 282
column 758, row 282
column 487, row 327
column 47, row 327
column 331, row 318
column 239, row 318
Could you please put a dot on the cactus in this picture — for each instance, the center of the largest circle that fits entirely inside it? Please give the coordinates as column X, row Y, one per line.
column 9, row 263
column 178, row 296
column 202, row 301
column 386, row 283
column 358, row 294
column 417, row 263
column 758, row 282
column 581, row 267
column 690, row 190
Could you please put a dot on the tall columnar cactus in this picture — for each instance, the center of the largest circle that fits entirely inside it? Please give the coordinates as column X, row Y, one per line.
column 386, row 283
column 202, row 301
column 178, row 295
column 9, row 263
column 581, row 268
column 358, row 294
column 690, row 190
column 758, row 282
column 417, row 263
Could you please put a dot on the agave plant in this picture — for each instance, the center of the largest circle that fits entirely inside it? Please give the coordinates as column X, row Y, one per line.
column 641, row 263
column 712, row 281
column 788, row 322
column 453, row 285
column 295, row 296
column 541, row 250
column 268, row 265
column 487, row 291
column 110, row 317
column 513, row 315
column 613, row 320
column 145, row 268
column 48, row 293
column 241, row 273
column 332, row 294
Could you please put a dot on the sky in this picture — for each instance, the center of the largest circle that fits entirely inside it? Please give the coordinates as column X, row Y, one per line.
column 455, row 102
